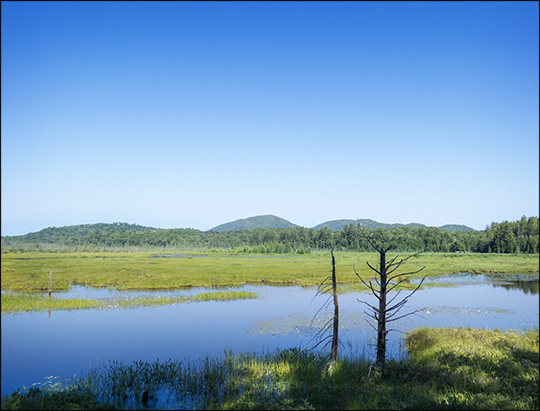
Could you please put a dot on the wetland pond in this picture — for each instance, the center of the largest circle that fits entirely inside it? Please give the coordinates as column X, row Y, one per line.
column 65, row 343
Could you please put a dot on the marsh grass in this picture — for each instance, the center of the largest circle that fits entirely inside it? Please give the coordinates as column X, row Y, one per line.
column 142, row 271
column 448, row 368
column 17, row 303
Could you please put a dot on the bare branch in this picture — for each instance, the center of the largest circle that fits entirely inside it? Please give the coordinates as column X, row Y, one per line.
column 409, row 273
column 394, row 297
column 371, row 243
column 325, row 305
column 397, row 265
column 406, row 315
column 323, row 290
column 395, row 308
column 370, row 316
column 394, row 285
column 363, row 282
column 410, row 256
column 375, row 292
column 389, row 263
column 374, row 269
column 411, row 293
column 369, row 305
column 320, row 288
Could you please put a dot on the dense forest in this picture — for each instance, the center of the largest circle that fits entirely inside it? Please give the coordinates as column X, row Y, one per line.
column 520, row 236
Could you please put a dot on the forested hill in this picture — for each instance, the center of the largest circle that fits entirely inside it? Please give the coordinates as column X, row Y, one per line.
column 363, row 222
column 262, row 221
column 272, row 221
column 455, row 227
column 62, row 234
column 367, row 223
column 520, row 236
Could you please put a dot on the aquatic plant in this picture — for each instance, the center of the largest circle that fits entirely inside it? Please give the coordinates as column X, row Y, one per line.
column 448, row 368
column 22, row 302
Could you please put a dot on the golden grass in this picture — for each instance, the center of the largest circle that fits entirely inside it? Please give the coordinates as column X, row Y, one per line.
column 142, row 271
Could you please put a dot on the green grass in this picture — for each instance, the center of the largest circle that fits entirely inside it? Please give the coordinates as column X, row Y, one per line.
column 141, row 271
column 448, row 368
column 16, row 303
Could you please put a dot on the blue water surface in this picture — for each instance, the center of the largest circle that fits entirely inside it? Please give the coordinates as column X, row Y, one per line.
column 62, row 344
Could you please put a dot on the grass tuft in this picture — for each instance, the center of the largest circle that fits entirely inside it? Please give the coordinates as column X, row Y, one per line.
column 24, row 302
column 448, row 368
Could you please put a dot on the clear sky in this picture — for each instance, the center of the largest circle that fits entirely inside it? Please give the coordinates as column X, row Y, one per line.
column 193, row 114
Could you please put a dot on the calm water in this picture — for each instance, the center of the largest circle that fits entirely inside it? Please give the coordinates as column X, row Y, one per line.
column 65, row 343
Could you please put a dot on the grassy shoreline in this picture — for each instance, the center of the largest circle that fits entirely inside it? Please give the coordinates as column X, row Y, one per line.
column 448, row 368
column 12, row 304
column 146, row 271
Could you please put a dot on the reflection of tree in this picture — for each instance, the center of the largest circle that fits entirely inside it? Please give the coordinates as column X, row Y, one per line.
column 528, row 287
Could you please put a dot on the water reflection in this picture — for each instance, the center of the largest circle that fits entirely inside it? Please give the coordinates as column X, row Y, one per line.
column 528, row 287
column 38, row 345
column 526, row 282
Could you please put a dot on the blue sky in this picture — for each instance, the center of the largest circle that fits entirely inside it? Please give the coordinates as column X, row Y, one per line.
column 192, row 114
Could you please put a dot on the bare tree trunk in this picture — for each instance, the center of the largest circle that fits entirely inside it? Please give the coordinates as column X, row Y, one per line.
column 323, row 336
column 381, row 318
column 336, row 311
column 386, row 281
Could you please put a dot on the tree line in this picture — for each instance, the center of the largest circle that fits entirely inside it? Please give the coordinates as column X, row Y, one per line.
column 521, row 236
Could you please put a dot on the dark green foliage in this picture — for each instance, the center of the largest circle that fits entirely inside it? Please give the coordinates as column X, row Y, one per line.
column 520, row 236
column 58, row 234
column 455, row 227
column 335, row 224
column 367, row 223
column 46, row 399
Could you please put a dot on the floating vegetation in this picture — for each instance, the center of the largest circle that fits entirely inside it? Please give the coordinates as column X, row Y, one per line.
column 443, row 309
column 17, row 303
column 305, row 325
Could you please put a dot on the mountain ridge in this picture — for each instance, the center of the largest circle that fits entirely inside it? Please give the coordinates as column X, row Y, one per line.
column 368, row 223
column 262, row 221
column 265, row 221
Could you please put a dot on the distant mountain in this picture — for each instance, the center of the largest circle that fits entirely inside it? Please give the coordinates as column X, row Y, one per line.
column 341, row 224
column 63, row 234
column 262, row 221
column 364, row 222
column 455, row 227
column 335, row 224
column 56, row 234
column 272, row 221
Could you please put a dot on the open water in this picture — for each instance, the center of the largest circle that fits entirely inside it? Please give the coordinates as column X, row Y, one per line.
column 61, row 344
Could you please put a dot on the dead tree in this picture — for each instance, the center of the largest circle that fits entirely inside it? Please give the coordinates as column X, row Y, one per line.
column 387, row 310
column 323, row 336
column 336, row 311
